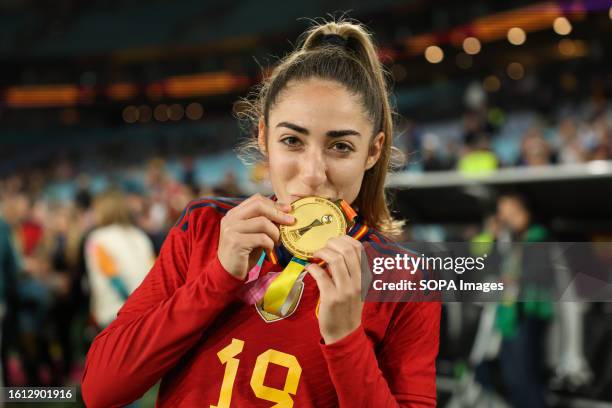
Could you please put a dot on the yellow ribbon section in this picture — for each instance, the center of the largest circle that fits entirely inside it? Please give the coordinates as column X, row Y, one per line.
column 281, row 287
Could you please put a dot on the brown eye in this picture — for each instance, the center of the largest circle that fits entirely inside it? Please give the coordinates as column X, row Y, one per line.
column 342, row 147
column 291, row 141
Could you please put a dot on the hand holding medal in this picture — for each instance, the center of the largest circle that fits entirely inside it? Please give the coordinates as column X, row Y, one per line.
column 320, row 233
column 340, row 287
column 246, row 229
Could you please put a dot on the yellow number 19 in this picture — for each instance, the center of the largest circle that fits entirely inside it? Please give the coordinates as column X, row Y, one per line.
column 281, row 397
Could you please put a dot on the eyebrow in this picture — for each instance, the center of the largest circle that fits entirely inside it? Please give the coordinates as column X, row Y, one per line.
column 329, row 133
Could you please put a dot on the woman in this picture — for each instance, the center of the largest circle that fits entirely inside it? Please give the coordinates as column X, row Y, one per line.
column 117, row 254
column 324, row 129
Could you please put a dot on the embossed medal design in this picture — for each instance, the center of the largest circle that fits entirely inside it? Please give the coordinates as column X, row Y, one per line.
column 317, row 221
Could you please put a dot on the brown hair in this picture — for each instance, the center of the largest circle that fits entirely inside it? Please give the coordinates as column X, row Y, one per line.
column 111, row 207
column 341, row 51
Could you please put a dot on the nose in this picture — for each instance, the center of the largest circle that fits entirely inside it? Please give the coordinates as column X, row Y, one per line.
column 313, row 169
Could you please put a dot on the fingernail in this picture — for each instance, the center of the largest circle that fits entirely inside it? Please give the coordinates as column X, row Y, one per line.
column 289, row 218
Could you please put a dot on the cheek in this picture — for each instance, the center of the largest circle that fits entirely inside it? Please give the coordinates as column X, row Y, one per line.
column 282, row 166
column 346, row 175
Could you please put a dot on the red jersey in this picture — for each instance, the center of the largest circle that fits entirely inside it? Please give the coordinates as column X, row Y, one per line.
column 185, row 326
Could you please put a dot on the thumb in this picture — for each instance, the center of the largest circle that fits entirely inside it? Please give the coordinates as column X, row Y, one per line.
column 324, row 282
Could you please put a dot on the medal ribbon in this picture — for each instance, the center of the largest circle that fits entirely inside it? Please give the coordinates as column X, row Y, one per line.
column 281, row 292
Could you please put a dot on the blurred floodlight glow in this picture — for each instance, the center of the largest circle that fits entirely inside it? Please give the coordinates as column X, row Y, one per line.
column 491, row 84
column 121, row 91
column 573, row 48
column 562, row 26
column 175, row 112
column 130, row 114
column 516, row 36
column 155, row 91
column 515, row 70
column 161, row 113
column 194, row 111
column 567, row 47
column 434, row 54
column 471, row 45
column 144, row 113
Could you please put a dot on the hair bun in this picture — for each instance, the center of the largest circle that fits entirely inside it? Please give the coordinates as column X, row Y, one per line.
column 333, row 39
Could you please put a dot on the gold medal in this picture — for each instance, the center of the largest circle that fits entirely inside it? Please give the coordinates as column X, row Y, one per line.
column 317, row 221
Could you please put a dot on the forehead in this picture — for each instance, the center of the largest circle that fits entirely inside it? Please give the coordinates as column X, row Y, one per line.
column 316, row 103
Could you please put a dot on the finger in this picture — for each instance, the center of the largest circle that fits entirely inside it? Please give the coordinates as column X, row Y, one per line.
column 355, row 263
column 259, row 224
column 324, row 282
column 257, row 240
column 237, row 211
column 350, row 249
column 336, row 266
column 254, row 197
column 267, row 208
column 283, row 206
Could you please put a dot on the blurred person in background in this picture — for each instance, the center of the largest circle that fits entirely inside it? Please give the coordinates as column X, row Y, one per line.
column 65, row 232
column 165, row 198
column 535, row 149
column 29, row 332
column 431, row 154
column 228, row 186
column 117, row 254
column 477, row 156
column 83, row 222
column 602, row 138
column 532, row 274
column 521, row 325
column 8, row 280
column 571, row 149
column 49, row 274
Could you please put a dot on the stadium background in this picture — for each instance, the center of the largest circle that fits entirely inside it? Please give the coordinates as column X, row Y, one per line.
column 138, row 96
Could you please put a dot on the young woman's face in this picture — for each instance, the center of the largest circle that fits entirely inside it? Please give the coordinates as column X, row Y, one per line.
column 318, row 142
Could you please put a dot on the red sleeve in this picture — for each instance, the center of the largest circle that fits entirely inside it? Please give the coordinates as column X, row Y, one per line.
column 401, row 373
column 162, row 319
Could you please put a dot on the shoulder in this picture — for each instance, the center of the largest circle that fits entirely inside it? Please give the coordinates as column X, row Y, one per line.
column 98, row 233
column 138, row 234
column 381, row 245
column 206, row 210
column 373, row 235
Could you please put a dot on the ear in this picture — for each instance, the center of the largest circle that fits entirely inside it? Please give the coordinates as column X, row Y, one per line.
column 261, row 136
column 375, row 150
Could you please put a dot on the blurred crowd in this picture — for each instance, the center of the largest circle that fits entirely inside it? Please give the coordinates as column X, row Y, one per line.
column 488, row 139
column 66, row 266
